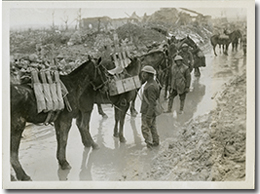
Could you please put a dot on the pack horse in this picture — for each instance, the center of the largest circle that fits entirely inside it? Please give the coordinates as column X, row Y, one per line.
column 24, row 109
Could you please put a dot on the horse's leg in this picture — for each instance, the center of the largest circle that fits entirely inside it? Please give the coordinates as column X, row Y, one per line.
column 80, row 124
column 166, row 86
column 214, row 46
column 132, row 107
column 122, row 122
column 83, row 125
column 16, row 135
column 117, row 115
column 100, row 111
column 226, row 49
column 62, row 127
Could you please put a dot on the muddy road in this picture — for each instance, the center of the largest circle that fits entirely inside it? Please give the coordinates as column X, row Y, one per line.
column 114, row 160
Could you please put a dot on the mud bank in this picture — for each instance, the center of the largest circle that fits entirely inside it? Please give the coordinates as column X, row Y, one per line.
column 211, row 147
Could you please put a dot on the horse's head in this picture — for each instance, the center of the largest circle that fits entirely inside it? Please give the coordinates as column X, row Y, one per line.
column 157, row 59
column 85, row 75
column 134, row 67
column 101, row 77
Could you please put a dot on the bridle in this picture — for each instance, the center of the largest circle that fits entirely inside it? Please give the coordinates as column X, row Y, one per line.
column 99, row 73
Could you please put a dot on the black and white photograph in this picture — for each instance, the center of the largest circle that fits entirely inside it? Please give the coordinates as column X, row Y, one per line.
column 128, row 95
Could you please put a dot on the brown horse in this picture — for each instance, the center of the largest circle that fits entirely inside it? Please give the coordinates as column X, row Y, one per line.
column 157, row 59
column 121, row 103
column 24, row 109
column 224, row 42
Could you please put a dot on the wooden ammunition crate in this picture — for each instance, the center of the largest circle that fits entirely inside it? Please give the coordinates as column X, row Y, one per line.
column 125, row 85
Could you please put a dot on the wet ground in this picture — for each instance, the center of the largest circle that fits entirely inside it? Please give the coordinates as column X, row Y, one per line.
column 114, row 160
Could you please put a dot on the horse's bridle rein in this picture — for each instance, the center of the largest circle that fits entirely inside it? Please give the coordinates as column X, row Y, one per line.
column 99, row 73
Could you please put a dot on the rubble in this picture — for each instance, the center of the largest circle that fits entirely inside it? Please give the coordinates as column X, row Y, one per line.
column 139, row 35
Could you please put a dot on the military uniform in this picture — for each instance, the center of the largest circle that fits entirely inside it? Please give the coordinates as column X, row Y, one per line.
column 150, row 95
column 187, row 59
column 181, row 79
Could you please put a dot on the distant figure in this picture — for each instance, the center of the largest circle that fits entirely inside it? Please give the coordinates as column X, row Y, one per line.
column 180, row 84
column 187, row 56
column 150, row 95
column 244, row 43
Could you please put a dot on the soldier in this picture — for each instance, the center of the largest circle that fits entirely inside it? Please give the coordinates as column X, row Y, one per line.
column 187, row 56
column 150, row 95
column 180, row 83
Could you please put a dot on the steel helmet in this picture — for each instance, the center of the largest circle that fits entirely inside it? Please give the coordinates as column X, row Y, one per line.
column 178, row 57
column 184, row 45
column 149, row 69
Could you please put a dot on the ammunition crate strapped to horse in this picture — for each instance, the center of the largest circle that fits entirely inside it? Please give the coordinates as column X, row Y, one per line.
column 125, row 85
column 120, row 82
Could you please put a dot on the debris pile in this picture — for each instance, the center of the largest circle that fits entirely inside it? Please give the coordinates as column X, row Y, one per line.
column 165, row 16
column 102, row 40
column 139, row 35
column 75, row 38
column 199, row 34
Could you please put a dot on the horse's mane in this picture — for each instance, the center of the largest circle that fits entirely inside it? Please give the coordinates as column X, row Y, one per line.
column 79, row 68
column 152, row 52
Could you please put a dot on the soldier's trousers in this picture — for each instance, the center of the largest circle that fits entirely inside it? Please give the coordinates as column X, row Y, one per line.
column 149, row 131
column 173, row 94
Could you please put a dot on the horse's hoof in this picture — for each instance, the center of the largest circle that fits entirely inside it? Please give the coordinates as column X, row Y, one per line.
column 133, row 114
column 24, row 178
column 95, row 146
column 122, row 139
column 65, row 165
column 87, row 145
column 104, row 116
column 116, row 135
column 13, row 178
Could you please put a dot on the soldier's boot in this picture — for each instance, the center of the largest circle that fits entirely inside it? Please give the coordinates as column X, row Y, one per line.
column 149, row 144
column 181, row 106
column 156, row 141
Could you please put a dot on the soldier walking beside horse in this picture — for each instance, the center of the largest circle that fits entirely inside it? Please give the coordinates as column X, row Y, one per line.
column 150, row 95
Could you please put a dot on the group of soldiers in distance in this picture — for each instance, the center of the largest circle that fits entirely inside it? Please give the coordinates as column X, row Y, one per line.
column 181, row 74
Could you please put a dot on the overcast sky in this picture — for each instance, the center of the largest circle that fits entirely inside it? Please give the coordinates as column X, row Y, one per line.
column 43, row 16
